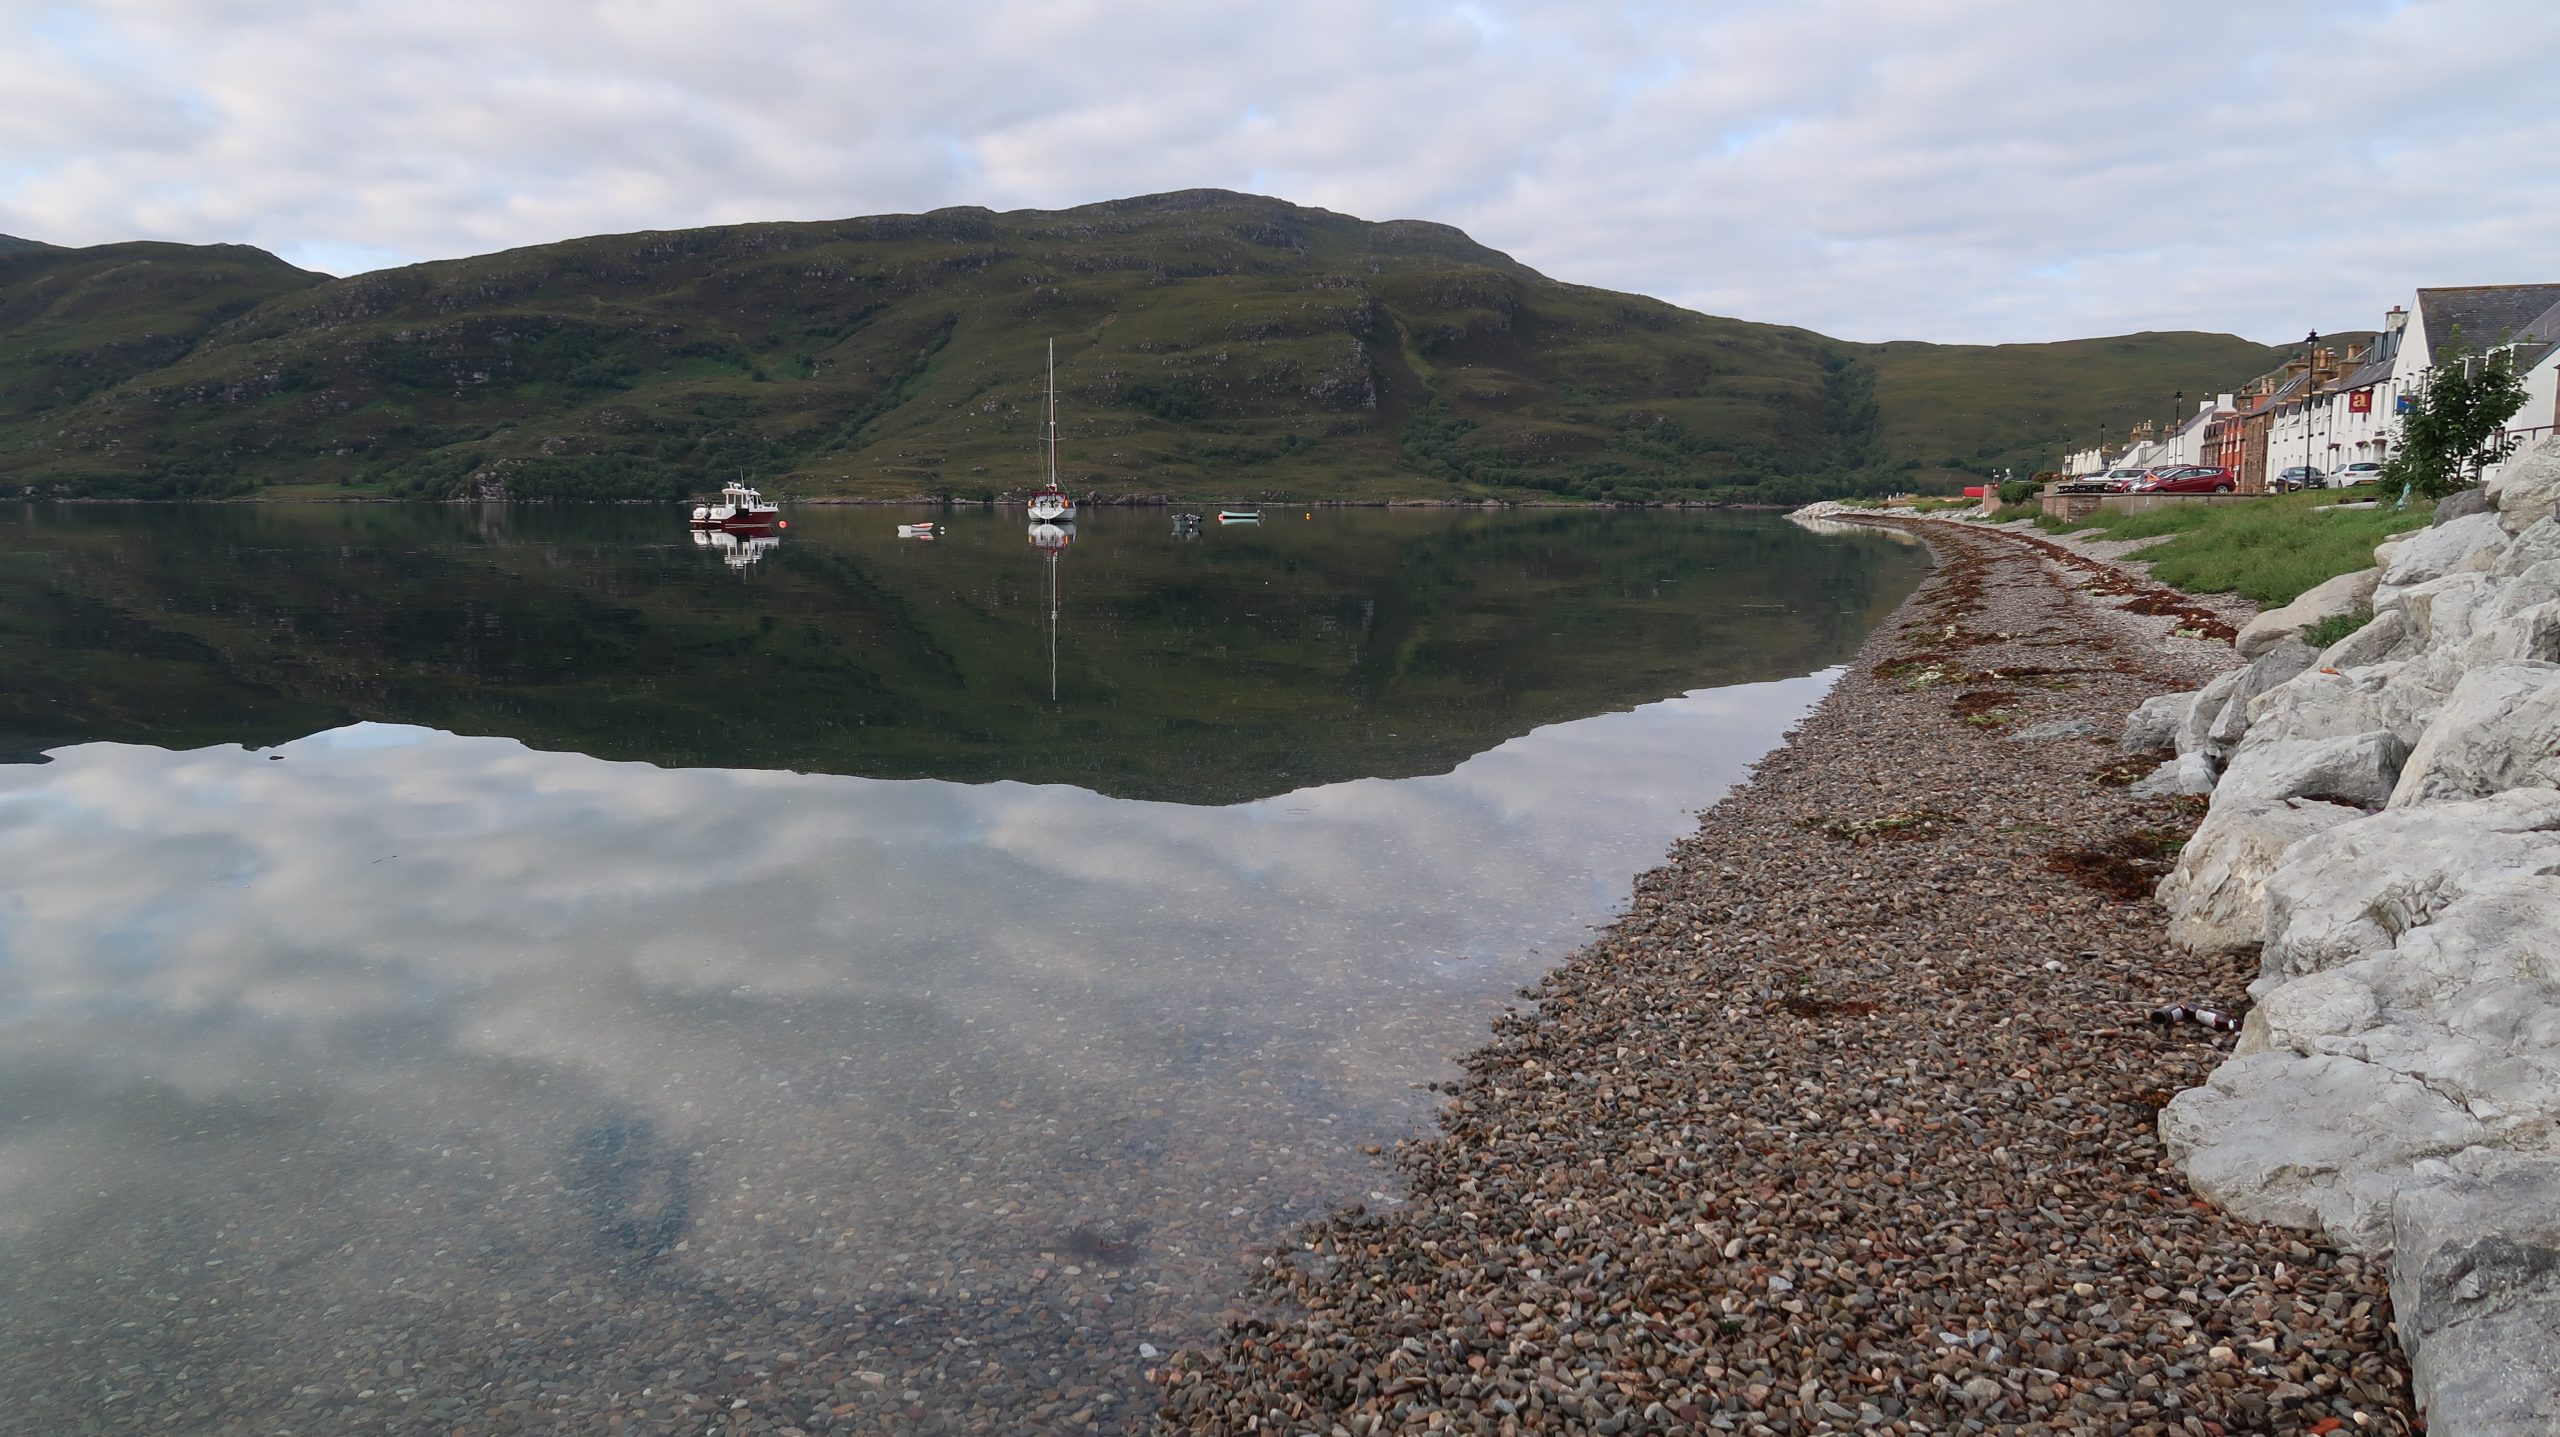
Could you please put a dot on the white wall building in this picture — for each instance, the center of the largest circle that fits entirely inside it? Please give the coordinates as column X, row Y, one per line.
column 2522, row 319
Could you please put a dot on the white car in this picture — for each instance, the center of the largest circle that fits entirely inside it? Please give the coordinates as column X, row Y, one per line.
column 2367, row 472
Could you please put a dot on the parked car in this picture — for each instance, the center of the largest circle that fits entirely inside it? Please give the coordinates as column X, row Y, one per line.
column 2189, row 479
column 2363, row 472
column 2114, row 481
column 2301, row 476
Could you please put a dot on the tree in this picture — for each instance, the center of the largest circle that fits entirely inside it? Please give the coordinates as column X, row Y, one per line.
column 2455, row 426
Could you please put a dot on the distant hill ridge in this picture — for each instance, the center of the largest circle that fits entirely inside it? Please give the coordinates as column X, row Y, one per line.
column 1210, row 344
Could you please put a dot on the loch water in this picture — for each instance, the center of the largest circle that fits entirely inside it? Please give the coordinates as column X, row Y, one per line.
column 528, row 969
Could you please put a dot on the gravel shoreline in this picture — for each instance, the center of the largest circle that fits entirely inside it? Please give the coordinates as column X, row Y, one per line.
column 1848, row 1124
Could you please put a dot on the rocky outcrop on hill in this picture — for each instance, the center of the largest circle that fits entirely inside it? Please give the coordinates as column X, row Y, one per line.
column 2385, row 831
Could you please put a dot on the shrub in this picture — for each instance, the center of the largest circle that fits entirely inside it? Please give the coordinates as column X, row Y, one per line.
column 2457, row 425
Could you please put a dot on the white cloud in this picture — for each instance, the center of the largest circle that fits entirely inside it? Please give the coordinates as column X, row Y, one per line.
column 1997, row 169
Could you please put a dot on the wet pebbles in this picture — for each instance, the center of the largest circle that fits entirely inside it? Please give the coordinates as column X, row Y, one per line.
column 1848, row 1124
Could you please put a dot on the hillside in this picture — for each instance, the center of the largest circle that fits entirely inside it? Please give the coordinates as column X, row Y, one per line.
column 1210, row 345
column 82, row 323
column 1985, row 407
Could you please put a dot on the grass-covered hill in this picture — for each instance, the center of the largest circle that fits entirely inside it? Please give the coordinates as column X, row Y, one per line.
column 1210, row 344
column 1981, row 408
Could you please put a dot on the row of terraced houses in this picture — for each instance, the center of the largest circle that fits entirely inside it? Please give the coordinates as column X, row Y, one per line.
column 2340, row 405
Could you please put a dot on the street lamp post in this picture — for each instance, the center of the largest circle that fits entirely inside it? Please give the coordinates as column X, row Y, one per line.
column 2310, row 390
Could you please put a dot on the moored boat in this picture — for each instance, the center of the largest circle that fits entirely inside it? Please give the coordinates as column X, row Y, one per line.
column 919, row 531
column 1049, row 503
column 1239, row 516
column 739, row 507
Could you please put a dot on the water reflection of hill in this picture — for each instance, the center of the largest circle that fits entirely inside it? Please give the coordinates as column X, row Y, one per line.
column 1240, row 665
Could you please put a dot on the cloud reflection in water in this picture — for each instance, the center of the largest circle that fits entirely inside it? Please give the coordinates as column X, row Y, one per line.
column 401, row 1039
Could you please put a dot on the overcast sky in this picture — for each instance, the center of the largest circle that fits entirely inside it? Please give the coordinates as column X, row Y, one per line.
column 1955, row 170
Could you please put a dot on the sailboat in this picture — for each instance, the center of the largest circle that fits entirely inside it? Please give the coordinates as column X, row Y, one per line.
column 1050, row 504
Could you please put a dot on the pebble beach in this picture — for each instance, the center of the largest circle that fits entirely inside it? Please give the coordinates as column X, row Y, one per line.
column 1848, row 1124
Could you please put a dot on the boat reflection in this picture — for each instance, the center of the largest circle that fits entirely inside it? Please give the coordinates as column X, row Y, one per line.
column 1052, row 540
column 736, row 550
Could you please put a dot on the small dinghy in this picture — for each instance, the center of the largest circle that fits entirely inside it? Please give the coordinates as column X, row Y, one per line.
column 1239, row 516
column 919, row 531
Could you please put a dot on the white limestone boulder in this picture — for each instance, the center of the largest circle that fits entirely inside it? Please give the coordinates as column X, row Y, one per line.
column 2318, row 703
column 2475, row 1290
column 2418, row 1062
column 2277, row 664
column 2499, row 730
column 2216, row 895
column 2154, row 725
column 2188, row 775
column 2342, row 595
column 2332, row 702
column 2501, row 620
column 2433, row 553
column 2324, row 1143
column 2353, row 889
column 2527, row 487
column 2539, row 544
column 2440, row 610
column 2380, row 641
column 2357, row 769
column 2203, row 707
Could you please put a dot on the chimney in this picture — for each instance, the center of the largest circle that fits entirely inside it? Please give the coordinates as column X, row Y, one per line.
column 2395, row 321
column 2222, row 401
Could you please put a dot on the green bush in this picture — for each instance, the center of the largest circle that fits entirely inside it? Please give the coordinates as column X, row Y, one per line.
column 2018, row 491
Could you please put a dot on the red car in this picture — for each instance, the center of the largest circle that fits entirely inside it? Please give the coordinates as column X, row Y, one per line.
column 2189, row 479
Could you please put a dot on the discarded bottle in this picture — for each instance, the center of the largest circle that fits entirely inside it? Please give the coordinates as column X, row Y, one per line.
column 2176, row 1013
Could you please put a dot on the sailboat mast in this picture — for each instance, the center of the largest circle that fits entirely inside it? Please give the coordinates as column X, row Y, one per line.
column 1053, row 413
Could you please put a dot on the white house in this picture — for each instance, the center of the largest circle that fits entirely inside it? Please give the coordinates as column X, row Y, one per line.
column 2521, row 319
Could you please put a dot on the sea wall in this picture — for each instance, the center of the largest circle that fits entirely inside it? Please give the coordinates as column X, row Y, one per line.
column 2384, row 833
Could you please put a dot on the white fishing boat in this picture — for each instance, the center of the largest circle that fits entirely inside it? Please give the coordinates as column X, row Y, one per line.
column 738, row 507
column 1050, row 504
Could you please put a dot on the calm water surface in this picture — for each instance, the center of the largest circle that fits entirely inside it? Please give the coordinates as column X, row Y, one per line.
column 524, row 971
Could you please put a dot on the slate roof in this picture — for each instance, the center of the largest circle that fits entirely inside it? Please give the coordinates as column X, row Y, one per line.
column 2545, row 330
column 2487, row 314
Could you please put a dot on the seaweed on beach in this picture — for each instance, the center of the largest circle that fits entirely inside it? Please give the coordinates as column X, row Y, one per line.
column 2125, row 867
column 1804, row 1006
column 1914, row 824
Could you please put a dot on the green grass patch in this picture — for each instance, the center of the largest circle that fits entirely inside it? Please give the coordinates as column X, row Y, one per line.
column 2335, row 627
column 2269, row 550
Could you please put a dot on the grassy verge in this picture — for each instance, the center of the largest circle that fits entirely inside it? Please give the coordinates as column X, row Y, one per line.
column 2269, row 550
